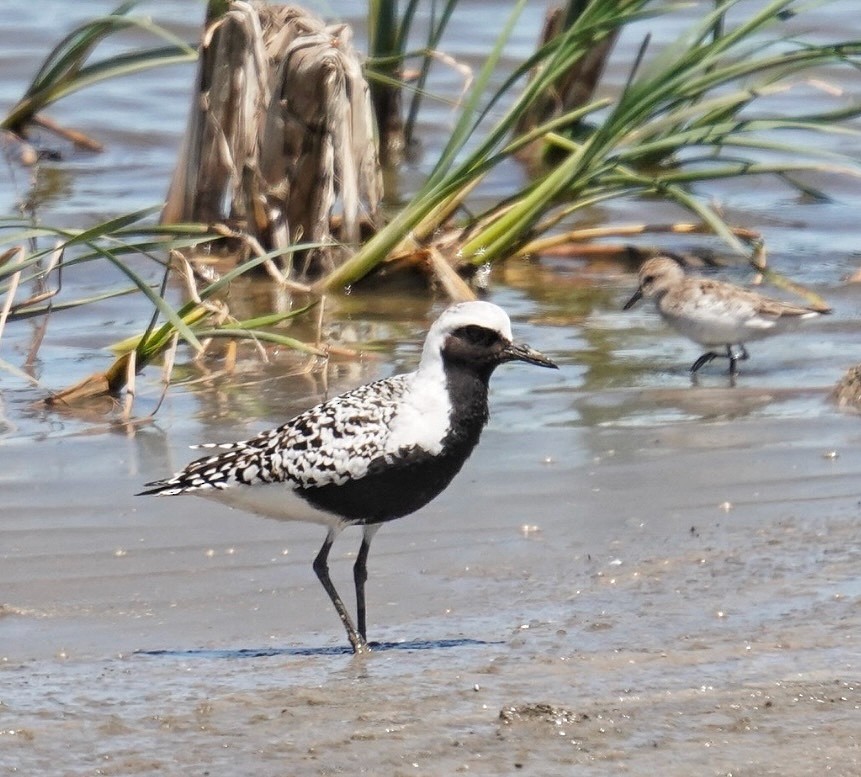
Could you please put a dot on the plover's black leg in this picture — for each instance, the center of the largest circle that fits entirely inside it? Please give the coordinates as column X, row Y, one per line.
column 360, row 576
column 321, row 568
column 703, row 360
column 744, row 356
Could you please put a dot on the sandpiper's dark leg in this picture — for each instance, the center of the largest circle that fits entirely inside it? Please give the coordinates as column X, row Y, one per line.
column 736, row 356
column 703, row 360
column 733, row 361
column 321, row 568
column 360, row 576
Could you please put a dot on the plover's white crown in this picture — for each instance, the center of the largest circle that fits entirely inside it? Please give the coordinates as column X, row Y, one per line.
column 475, row 313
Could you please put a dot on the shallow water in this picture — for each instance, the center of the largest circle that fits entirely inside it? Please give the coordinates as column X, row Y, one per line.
column 632, row 575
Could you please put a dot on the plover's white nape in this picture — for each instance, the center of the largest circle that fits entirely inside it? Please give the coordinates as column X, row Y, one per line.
column 714, row 313
column 371, row 455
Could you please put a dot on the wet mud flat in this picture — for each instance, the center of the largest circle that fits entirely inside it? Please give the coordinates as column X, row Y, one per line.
column 685, row 599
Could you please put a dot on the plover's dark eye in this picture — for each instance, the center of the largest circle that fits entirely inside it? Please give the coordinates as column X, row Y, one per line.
column 648, row 279
column 477, row 335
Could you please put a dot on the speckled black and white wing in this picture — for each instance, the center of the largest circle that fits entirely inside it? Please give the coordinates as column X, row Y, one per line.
column 330, row 444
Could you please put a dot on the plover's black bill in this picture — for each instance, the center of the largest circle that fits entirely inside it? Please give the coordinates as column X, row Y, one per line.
column 635, row 298
column 523, row 353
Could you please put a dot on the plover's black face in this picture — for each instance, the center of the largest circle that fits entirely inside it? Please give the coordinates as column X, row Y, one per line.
column 474, row 345
column 483, row 348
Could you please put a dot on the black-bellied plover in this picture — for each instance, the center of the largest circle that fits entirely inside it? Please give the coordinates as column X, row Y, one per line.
column 371, row 455
column 714, row 313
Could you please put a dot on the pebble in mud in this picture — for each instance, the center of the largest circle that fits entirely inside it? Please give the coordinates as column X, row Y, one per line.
column 541, row 712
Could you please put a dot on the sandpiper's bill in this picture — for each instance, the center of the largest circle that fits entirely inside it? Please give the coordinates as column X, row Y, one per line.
column 371, row 455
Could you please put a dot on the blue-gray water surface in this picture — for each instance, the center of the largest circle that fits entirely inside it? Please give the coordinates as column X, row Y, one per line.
column 632, row 575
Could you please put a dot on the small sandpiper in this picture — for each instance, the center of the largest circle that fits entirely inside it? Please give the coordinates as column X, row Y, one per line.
column 714, row 313
column 371, row 455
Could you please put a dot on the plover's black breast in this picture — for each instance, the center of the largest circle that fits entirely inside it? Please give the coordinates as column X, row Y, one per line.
column 419, row 456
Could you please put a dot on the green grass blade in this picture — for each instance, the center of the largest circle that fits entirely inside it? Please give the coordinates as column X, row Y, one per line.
column 64, row 70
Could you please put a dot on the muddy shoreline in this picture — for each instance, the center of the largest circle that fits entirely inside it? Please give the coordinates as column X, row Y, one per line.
column 708, row 628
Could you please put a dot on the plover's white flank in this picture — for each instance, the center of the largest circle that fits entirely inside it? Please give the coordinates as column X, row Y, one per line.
column 371, row 455
column 714, row 313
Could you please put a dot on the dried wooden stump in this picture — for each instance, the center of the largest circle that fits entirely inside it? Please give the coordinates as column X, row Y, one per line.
column 280, row 141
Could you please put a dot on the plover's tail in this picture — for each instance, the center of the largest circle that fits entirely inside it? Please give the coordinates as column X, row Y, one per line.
column 161, row 487
column 231, row 465
column 178, row 484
